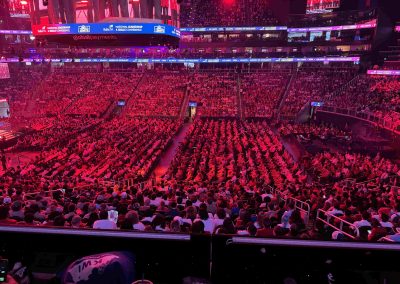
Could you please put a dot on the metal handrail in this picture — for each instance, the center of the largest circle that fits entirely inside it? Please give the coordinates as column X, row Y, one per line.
column 362, row 115
column 303, row 207
column 39, row 192
column 330, row 216
column 298, row 204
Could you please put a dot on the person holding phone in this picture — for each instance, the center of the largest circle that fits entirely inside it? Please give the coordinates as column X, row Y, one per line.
column 5, row 277
column 377, row 231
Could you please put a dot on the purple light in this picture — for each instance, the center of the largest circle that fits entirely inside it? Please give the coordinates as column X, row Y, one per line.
column 184, row 60
column 15, row 32
column 384, row 72
column 369, row 25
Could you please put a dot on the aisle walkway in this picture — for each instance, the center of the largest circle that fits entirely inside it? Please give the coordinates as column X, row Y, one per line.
column 294, row 147
column 167, row 157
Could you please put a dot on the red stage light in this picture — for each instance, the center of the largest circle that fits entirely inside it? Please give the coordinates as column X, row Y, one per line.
column 228, row 2
column 24, row 2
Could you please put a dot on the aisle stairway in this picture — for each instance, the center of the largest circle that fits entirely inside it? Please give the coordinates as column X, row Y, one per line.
column 7, row 134
column 169, row 154
column 239, row 97
column 286, row 92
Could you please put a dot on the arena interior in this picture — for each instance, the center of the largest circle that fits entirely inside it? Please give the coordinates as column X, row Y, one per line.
column 199, row 141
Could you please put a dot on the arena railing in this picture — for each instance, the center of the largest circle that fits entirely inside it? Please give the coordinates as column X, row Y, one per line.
column 168, row 258
column 302, row 206
column 386, row 239
column 77, row 188
column 233, row 239
column 348, row 181
column 393, row 181
column 383, row 122
column 328, row 219
column 47, row 193
column 131, row 182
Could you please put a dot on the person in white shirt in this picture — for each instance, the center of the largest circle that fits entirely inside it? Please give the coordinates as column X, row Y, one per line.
column 133, row 217
column 385, row 221
column 286, row 216
column 364, row 222
column 335, row 210
column 219, row 217
column 104, row 223
column 209, row 224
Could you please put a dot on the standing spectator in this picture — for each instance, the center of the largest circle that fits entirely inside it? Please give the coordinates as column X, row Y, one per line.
column 96, row 7
column 148, row 11
column 164, row 10
column 120, row 4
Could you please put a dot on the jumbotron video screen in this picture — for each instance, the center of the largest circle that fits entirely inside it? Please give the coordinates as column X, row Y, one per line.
column 4, row 71
column 109, row 22
column 318, row 5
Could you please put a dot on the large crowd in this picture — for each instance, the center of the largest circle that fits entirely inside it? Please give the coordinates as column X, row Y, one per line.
column 201, row 13
column 220, row 182
column 215, row 93
column 84, row 94
column 313, row 84
column 230, row 153
column 228, row 176
column 90, row 150
column 99, row 92
column 261, row 92
column 314, row 131
column 378, row 95
column 159, row 94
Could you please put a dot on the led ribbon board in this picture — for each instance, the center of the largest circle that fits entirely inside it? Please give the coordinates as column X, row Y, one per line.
column 15, row 32
column 181, row 60
column 106, row 29
column 384, row 72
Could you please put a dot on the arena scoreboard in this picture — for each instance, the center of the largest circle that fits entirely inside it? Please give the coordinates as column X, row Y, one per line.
column 314, row 6
column 109, row 34
column 107, row 23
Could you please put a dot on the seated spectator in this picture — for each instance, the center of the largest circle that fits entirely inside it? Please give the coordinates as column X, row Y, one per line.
column 4, row 216
column 103, row 222
column 377, row 231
